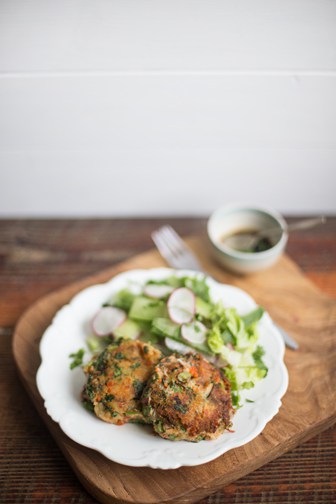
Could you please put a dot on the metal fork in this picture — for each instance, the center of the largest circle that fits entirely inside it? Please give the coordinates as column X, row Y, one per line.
column 178, row 255
column 174, row 250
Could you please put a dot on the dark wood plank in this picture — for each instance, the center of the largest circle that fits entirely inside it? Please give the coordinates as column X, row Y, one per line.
column 38, row 256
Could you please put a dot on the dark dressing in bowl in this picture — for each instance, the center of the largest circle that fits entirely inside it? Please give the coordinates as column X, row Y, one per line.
column 249, row 240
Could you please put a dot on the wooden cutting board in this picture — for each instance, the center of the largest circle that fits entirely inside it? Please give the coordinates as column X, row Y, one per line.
column 309, row 405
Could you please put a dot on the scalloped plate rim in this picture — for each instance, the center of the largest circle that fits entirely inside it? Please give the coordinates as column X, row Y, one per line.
column 152, row 458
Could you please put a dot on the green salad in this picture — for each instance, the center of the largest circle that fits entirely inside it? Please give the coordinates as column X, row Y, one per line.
column 178, row 314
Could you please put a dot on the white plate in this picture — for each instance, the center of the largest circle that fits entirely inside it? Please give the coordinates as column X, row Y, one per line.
column 133, row 444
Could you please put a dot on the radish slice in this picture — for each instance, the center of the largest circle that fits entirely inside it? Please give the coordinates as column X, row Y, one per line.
column 181, row 305
column 157, row 291
column 194, row 332
column 107, row 319
column 175, row 346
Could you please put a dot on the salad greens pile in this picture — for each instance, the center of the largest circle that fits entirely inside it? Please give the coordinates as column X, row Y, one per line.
column 223, row 336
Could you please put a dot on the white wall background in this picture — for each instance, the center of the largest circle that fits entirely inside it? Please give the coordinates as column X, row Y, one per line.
column 140, row 107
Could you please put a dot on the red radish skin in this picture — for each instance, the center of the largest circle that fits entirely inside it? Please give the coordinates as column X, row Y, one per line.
column 181, row 305
column 107, row 319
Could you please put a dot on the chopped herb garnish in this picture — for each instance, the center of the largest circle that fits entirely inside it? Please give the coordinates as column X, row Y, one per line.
column 146, row 410
column 258, row 358
column 117, row 371
column 89, row 391
column 132, row 412
column 184, row 376
column 135, row 365
column 88, row 405
column 99, row 363
column 77, row 358
column 176, row 388
column 179, row 406
column 107, row 340
column 93, row 344
column 119, row 356
column 159, row 426
column 235, row 399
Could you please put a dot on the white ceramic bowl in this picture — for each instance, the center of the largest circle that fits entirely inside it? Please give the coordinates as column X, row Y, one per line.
column 238, row 217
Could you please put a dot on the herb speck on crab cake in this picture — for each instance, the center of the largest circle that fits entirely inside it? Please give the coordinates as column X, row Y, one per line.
column 116, row 378
column 188, row 398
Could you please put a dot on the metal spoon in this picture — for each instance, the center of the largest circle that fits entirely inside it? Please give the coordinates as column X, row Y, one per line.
column 248, row 240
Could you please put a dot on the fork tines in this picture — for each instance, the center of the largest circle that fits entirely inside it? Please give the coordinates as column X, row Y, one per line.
column 173, row 249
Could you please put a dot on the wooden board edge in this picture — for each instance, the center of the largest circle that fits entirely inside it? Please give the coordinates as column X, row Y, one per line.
column 95, row 491
column 187, row 498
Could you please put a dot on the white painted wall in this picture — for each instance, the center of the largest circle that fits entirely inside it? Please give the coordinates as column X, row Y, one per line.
column 140, row 107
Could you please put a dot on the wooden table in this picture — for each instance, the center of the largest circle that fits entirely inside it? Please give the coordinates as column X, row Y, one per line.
column 38, row 256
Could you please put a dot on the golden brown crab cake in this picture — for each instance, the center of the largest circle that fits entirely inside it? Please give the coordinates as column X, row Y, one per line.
column 116, row 378
column 188, row 398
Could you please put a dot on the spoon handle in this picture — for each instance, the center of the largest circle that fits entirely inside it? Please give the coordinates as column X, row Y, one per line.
column 306, row 223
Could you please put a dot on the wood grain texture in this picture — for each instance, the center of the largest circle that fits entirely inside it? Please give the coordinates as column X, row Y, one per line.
column 309, row 406
column 32, row 468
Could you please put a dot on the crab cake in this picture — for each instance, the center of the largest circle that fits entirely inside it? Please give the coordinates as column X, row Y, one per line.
column 116, row 378
column 188, row 398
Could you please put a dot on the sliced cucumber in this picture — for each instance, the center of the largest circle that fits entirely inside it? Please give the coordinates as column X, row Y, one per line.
column 166, row 327
column 203, row 308
column 147, row 309
column 128, row 329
